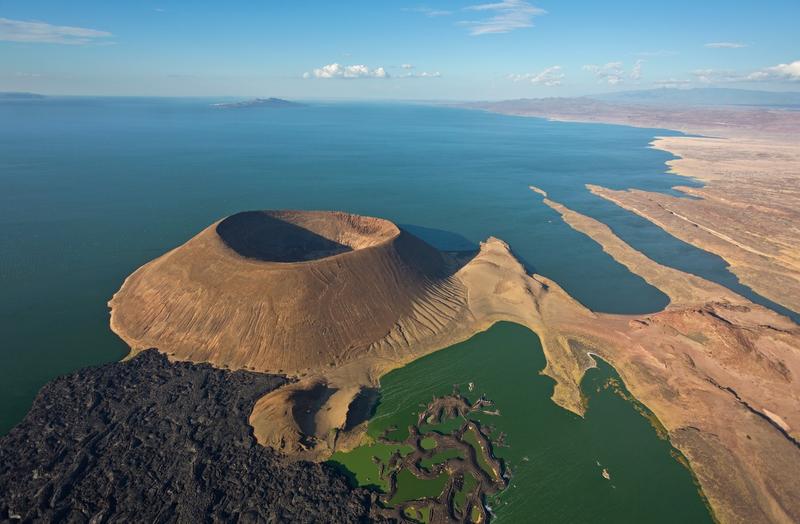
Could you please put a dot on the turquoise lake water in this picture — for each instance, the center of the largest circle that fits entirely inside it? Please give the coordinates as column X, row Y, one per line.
column 92, row 188
column 95, row 187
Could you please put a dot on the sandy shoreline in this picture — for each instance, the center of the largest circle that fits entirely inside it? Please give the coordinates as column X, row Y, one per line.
column 747, row 212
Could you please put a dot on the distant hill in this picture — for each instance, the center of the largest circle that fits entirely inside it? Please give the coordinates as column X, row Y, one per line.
column 708, row 96
column 258, row 102
column 15, row 95
column 708, row 119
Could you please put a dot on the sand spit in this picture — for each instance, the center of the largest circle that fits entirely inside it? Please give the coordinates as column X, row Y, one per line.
column 719, row 372
column 748, row 212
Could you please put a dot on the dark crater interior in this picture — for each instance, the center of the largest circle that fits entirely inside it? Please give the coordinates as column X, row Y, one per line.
column 152, row 441
column 263, row 236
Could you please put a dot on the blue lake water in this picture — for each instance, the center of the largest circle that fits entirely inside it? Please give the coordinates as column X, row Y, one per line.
column 92, row 188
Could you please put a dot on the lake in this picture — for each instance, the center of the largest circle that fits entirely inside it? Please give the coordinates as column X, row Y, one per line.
column 556, row 458
column 93, row 188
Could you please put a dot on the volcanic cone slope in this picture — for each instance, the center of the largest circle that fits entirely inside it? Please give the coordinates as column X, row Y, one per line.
column 289, row 291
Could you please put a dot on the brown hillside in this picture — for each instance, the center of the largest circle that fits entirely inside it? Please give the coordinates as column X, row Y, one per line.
column 283, row 291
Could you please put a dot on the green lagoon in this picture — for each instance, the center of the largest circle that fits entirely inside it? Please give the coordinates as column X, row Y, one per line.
column 555, row 458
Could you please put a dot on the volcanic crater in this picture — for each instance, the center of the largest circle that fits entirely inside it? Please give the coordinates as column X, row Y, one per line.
column 282, row 291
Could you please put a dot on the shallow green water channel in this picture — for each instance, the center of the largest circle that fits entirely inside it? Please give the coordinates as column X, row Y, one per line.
column 556, row 458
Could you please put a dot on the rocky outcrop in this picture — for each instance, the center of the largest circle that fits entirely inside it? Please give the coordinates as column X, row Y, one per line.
column 147, row 440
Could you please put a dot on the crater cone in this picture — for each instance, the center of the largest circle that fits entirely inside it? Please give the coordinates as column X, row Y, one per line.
column 289, row 291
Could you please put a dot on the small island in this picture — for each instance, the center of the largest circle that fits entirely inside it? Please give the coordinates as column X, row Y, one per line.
column 274, row 103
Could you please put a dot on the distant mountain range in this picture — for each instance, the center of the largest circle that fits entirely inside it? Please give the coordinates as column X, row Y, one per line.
column 16, row 95
column 258, row 102
column 712, row 118
column 704, row 96
column 665, row 97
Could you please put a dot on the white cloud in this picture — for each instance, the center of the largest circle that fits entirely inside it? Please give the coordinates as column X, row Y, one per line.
column 337, row 70
column 344, row 71
column 550, row 77
column 614, row 73
column 424, row 74
column 427, row 11
column 716, row 76
column 790, row 71
column 44, row 33
column 725, row 45
column 636, row 72
column 610, row 73
column 507, row 16
column 780, row 73
column 704, row 75
column 672, row 83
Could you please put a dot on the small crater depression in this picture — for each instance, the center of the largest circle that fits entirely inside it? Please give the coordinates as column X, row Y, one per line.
column 362, row 408
column 306, row 404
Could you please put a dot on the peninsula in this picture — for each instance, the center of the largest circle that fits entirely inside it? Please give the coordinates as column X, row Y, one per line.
column 747, row 212
column 257, row 290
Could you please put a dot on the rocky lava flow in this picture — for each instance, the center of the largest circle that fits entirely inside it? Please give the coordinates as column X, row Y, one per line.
column 147, row 440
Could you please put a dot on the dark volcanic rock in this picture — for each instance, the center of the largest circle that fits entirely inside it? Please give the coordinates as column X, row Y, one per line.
column 151, row 441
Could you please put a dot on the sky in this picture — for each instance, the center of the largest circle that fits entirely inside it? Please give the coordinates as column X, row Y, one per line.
column 459, row 50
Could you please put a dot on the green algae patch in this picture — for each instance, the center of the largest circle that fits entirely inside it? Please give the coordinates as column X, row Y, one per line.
column 444, row 427
column 418, row 514
column 366, row 463
column 411, row 488
column 468, row 485
column 472, row 439
column 428, row 443
column 441, row 458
